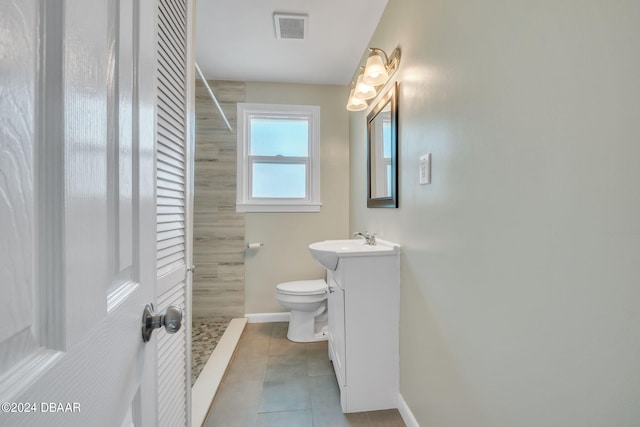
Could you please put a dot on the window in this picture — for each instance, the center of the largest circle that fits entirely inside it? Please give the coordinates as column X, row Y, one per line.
column 278, row 158
column 386, row 148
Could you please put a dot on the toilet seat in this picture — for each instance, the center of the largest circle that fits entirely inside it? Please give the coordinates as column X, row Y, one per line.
column 303, row 287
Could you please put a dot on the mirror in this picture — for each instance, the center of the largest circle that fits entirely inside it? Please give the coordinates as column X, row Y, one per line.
column 382, row 152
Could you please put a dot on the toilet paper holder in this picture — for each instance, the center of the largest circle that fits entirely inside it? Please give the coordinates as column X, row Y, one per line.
column 254, row 245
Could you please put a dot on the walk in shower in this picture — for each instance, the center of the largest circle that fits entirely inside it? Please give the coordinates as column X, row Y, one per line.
column 218, row 230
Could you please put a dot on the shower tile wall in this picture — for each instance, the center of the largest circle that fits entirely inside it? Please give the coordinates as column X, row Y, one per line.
column 218, row 247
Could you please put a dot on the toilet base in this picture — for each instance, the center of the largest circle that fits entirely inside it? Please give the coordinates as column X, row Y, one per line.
column 320, row 336
column 305, row 327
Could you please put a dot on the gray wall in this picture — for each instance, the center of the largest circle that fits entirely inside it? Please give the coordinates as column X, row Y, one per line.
column 521, row 261
column 218, row 248
column 285, row 256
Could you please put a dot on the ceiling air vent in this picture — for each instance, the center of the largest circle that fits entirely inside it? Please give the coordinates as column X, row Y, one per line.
column 290, row 26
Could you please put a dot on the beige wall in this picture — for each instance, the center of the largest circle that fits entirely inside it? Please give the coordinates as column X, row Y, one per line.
column 521, row 261
column 285, row 256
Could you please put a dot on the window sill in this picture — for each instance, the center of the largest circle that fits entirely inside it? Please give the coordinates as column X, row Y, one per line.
column 256, row 207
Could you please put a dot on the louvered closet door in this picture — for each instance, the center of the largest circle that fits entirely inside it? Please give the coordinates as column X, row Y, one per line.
column 173, row 203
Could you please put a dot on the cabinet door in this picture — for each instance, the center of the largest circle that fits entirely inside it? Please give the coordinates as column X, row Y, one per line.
column 336, row 331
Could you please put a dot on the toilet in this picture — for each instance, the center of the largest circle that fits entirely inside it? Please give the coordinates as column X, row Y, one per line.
column 307, row 300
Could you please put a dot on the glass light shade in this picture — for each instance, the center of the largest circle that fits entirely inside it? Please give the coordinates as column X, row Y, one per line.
column 363, row 90
column 355, row 104
column 375, row 72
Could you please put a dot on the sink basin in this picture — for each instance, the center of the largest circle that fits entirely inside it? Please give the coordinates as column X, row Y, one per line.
column 328, row 252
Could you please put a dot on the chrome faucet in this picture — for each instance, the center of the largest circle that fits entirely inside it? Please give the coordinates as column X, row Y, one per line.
column 369, row 238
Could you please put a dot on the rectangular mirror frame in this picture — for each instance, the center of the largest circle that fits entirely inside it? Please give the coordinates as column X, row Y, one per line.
column 391, row 201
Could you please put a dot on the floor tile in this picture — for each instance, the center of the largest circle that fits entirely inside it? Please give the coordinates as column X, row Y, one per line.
column 235, row 404
column 275, row 382
column 325, row 403
column 279, row 344
column 293, row 364
column 285, row 419
column 256, row 348
column 246, row 370
column 325, row 392
column 386, row 418
column 318, row 360
column 285, row 394
column 358, row 419
column 253, row 330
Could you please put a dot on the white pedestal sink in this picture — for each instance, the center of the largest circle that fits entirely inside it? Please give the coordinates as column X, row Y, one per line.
column 328, row 252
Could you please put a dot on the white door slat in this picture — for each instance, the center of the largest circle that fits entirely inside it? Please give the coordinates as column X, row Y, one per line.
column 178, row 8
column 170, row 218
column 170, row 202
column 171, row 365
column 168, row 121
column 168, row 268
column 168, row 361
column 170, row 259
column 167, row 132
column 173, row 24
column 170, row 145
column 170, row 168
column 169, row 185
column 175, row 11
column 170, row 195
column 172, row 31
column 169, row 177
column 166, row 235
column 169, row 73
column 168, row 226
column 166, row 210
column 168, row 59
column 173, row 295
column 170, row 242
column 168, row 52
column 167, row 158
column 170, row 89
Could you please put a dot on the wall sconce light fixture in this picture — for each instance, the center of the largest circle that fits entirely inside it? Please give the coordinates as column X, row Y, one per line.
column 377, row 71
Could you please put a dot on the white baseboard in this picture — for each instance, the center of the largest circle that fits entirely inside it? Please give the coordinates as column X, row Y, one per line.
column 207, row 383
column 405, row 412
column 267, row 317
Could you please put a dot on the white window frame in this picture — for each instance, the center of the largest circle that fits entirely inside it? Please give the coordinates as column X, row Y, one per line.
column 244, row 201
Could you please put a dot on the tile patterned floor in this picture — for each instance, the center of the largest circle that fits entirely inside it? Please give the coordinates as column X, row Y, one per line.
column 272, row 381
column 204, row 338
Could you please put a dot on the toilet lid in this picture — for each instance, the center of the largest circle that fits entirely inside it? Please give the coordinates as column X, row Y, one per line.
column 303, row 287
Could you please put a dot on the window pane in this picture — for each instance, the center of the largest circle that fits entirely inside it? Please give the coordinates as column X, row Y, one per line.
column 386, row 139
column 279, row 180
column 279, row 136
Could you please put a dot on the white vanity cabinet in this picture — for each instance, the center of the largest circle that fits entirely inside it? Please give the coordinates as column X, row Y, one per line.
column 364, row 304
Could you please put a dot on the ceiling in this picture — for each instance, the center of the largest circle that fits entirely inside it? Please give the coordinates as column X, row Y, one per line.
column 235, row 40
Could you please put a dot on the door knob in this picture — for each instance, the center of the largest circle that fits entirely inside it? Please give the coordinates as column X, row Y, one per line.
column 171, row 320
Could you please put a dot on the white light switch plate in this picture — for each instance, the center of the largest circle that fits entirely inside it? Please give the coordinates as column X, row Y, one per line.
column 425, row 169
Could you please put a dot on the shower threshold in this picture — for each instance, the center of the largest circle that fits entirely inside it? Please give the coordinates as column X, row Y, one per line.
column 206, row 385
